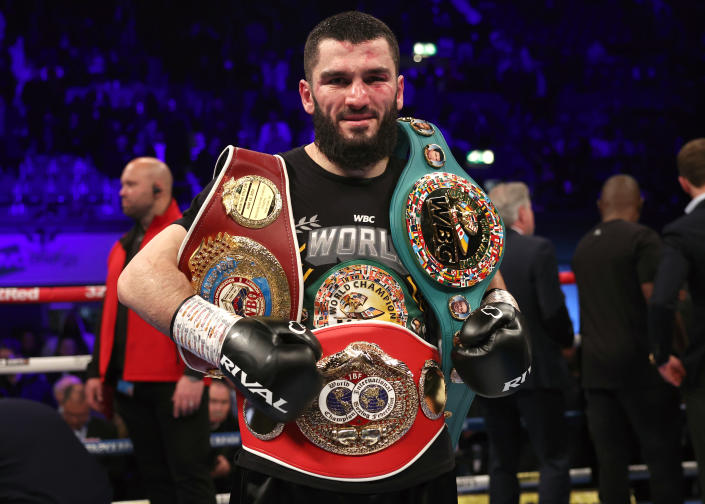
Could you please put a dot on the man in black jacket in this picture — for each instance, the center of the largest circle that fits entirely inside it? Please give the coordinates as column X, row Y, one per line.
column 43, row 461
column 683, row 261
column 615, row 264
column 530, row 270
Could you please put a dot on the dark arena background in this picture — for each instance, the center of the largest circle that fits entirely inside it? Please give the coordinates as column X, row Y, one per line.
column 560, row 95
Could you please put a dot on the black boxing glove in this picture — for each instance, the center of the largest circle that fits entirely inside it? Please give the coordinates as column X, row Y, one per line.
column 491, row 352
column 271, row 362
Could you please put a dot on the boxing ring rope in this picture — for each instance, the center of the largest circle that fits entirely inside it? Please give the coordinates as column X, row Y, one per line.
column 95, row 293
column 78, row 294
column 88, row 293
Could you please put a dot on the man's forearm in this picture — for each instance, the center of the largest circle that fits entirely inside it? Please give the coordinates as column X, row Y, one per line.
column 152, row 284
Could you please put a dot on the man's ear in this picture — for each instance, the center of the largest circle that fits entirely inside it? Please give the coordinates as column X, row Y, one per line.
column 685, row 184
column 400, row 92
column 306, row 96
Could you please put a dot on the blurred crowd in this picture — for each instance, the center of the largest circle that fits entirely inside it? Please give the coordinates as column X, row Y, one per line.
column 564, row 95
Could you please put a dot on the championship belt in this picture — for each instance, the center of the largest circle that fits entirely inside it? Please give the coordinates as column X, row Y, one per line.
column 382, row 406
column 449, row 236
column 361, row 290
column 241, row 252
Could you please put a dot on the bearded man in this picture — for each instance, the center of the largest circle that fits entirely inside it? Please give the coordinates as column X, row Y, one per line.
column 338, row 191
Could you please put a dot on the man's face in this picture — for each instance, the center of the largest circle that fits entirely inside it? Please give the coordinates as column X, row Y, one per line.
column 460, row 307
column 136, row 193
column 76, row 413
column 354, row 97
column 218, row 403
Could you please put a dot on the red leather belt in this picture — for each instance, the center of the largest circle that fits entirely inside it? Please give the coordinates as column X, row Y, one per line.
column 381, row 408
column 241, row 251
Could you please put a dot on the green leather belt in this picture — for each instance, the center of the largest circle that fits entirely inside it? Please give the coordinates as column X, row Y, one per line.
column 450, row 239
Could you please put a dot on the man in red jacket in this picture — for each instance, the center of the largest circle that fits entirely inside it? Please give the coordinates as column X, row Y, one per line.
column 160, row 401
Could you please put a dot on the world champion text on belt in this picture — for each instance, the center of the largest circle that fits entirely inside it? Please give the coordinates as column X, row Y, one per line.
column 359, row 292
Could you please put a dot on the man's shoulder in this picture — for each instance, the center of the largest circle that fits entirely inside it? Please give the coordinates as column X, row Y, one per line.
column 527, row 244
column 537, row 241
column 618, row 230
column 687, row 221
column 296, row 155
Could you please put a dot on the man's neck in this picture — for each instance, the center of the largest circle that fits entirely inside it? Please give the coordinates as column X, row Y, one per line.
column 158, row 209
column 629, row 216
column 321, row 159
column 144, row 222
column 518, row 228
column 698, row 195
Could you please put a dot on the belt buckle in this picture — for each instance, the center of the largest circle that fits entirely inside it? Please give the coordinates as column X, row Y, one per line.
column 369, row 402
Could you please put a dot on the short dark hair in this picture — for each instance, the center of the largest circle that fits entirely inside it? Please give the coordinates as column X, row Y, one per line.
column 691, row 162
column 350, row 26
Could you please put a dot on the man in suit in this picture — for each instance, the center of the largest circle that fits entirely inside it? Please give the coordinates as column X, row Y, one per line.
column 43, row 461
column 615, row 264
column 683, row 261
column 530, row 270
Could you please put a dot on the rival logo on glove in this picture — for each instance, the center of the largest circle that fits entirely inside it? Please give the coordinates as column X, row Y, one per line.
column 516, row 381
column 297, row 327
column 492, row 311
column 254, row 387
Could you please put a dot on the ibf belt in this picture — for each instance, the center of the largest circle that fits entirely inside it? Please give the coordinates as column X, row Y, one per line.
column 381, row 407
column 241, row 252
column 449, row 236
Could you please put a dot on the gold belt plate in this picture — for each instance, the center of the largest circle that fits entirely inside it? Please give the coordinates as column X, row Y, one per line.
column 369, row 402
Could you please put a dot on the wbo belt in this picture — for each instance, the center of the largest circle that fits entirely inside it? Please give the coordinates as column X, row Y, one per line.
column 449, row 237
column 381, row 407
column 241, row 252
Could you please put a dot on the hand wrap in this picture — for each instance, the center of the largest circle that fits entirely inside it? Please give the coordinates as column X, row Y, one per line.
column 271, row 362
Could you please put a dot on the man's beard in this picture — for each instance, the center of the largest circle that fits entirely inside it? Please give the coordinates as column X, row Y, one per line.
column 136, row 212
column 357, row 154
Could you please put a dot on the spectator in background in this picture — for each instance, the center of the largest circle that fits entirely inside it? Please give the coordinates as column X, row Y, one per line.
column 88, row 426
column 530, row 270
column 62, row 384
column 29, row 343
column 161, row 403
column 222, row 419
column 73, row 337
column 76, row 412
column 683, row 261
column 34, row 386
column 615, row 264
column 274, row 135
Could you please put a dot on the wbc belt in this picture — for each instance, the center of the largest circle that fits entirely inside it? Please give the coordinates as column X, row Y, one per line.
column 241, row 251
column 382, row 406
column 450, row 238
